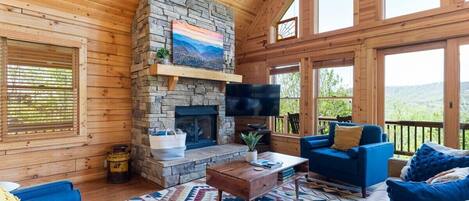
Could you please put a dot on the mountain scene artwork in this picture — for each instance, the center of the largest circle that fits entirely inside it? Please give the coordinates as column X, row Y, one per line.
column 197, row 47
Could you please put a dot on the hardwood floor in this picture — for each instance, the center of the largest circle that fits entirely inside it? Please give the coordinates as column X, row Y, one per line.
column 100, row 190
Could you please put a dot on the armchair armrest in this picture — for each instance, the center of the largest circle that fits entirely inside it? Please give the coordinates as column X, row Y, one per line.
column 313, row 142
column 373, row 162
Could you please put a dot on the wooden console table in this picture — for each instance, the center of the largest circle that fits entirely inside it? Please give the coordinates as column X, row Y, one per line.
column 240, row 179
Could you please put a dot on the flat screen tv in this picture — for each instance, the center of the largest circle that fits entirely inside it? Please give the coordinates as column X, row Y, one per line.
column 252, row 100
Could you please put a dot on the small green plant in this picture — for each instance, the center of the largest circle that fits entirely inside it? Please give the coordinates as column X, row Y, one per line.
column 163, row 53
column 251, row 140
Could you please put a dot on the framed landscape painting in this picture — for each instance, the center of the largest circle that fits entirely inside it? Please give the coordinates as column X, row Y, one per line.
column 197, row 47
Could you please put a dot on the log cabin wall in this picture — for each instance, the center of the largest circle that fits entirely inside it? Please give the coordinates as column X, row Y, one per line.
column 369, row 34
column 106, row 25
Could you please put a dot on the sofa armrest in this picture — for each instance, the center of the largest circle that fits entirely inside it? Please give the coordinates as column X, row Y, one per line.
column 313, row 142
column 43, row 190
column 373, row 162
column 73, row 195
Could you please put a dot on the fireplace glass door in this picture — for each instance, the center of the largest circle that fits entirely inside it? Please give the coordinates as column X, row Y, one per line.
column 200, row 125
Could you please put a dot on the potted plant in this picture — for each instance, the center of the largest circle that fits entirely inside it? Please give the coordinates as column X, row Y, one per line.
column 251, row 140
column 163, row 55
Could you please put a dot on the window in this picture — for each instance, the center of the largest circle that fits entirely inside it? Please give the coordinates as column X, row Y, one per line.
column 288, row 78
column 334, row 14
column 413, row 91
column 335, row 93
column 394, row 8
column 40, row 90
column 287, row 27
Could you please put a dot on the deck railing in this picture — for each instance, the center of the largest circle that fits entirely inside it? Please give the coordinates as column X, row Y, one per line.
column 281, row 125
column 408, row 136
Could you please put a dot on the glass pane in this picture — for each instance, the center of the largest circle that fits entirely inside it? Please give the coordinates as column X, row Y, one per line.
column 289, row 92
column 336, row 82
column 330, row 109
column 293, row 11
column 394, row 8
column 464, row 109
column 287, row 30
column 334, row 14
column 414, row 98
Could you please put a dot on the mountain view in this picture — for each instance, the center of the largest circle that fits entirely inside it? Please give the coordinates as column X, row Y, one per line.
column 191, row 52
column 422, row 102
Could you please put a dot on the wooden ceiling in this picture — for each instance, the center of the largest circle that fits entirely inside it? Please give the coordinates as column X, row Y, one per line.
column 245, row 12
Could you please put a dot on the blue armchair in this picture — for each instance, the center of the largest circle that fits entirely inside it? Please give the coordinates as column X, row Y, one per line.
column 56, row 191
column 363, row 166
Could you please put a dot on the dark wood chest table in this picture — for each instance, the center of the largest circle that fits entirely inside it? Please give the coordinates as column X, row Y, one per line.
column 240, row 179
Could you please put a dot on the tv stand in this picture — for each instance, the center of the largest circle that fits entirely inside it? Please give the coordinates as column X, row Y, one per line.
column 257, row 127
column 261, row 129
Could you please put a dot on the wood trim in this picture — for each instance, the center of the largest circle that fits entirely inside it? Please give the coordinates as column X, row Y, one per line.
column 82, row 89
column 315, row 95
column 414, row 48
column 452, row 94
column 380, row 9
column 306, row 98
column 50, row 38
column 295, row 19
column 292, row 69
column 381, row 88
column 3, row 89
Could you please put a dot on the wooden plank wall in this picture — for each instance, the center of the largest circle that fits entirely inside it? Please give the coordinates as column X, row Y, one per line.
column 106, row 25
column 363, row 40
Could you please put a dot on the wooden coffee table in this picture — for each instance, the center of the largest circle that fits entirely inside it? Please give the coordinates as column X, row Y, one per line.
column 240, row 179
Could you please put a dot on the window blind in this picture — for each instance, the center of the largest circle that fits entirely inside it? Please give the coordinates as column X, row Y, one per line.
column 40, row 89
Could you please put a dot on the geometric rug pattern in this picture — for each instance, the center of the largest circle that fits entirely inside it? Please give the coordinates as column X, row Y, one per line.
column 311, row 190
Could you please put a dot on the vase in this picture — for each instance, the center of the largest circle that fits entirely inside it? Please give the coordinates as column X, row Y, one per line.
column 166, row 61
column 251, row 156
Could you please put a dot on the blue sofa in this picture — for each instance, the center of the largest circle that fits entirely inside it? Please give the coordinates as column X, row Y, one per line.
column 363, row 166
column 56, row 191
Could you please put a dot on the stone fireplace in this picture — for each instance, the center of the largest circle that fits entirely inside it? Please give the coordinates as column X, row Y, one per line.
column 156, row 107
column 199, row 123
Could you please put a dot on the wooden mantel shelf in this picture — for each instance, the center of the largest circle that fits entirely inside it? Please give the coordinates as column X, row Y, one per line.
column 176, row 71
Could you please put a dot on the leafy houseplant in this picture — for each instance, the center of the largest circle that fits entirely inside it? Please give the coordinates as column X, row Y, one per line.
column 251, row 139
column 163, row 55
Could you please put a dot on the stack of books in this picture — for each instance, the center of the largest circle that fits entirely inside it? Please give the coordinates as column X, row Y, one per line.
column 267, row 164
column 286, row 174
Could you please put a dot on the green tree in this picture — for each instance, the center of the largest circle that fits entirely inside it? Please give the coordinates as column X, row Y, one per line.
column 331, row 85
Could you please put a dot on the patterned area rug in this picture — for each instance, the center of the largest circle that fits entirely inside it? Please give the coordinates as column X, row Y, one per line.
column 312, row 190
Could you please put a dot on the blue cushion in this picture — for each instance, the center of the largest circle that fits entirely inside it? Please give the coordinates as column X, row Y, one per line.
column 421, row 191
column 370, row 134
column 353, row 152
column 428, row 162
column 334, row 159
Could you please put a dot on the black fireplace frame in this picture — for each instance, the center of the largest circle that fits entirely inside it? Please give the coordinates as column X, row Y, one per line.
column 199, row 111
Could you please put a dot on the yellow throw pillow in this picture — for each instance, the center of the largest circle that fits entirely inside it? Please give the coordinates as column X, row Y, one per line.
column 7, row 196
column 347, row 137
